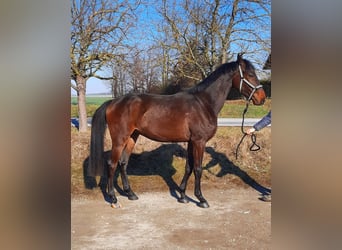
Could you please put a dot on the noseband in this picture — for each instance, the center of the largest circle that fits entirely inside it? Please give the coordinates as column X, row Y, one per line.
column 254, row 88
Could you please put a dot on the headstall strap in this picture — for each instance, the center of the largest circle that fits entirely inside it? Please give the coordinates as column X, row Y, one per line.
column 254, row 88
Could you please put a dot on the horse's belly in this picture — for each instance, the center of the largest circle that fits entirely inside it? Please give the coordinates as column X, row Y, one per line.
column 166, row 132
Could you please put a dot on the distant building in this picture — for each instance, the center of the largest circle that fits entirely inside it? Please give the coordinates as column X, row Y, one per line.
column 267, row 64
column 267, row 84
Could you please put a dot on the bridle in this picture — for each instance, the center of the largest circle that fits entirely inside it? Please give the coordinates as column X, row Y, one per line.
column 254, row 88
column 254, row 146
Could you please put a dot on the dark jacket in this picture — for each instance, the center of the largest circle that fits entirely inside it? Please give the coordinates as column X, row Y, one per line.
column 265, row 121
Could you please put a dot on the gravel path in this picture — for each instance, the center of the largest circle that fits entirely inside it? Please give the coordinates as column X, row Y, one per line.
column 236, row 219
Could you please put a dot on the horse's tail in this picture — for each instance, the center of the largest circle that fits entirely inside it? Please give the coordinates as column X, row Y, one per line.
column 98, row 129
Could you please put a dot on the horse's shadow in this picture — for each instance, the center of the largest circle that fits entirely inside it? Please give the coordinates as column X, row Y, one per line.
column 159, row 162
column 156, row 162
column 227, row 167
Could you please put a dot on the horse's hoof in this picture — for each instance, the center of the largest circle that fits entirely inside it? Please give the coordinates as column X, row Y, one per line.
column 183, row 200
column 115, row 205
column 133, row 197
column 203, row 204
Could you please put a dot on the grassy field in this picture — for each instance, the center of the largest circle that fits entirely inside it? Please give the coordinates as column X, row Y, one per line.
column 234, row 109
column 154, row 166
column 91, row 100
column 231, row 109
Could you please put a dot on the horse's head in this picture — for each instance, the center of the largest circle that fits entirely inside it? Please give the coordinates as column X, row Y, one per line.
column 247, row 82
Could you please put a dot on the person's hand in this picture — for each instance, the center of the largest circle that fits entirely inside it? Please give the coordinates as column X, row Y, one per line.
column 250, row 131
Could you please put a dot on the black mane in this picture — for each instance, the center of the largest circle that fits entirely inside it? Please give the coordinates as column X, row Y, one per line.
column 222, row 69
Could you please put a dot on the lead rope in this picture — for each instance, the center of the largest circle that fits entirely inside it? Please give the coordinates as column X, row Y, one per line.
column 254, row 146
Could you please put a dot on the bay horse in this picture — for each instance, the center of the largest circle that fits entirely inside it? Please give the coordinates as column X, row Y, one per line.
column 187, row 116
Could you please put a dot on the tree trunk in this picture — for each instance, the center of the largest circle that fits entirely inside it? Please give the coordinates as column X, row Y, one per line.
column 81, row 96
column 229, row 30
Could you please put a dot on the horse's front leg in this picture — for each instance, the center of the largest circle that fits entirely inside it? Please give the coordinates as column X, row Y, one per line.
column 182, row 186
column 198, row 151
column 188, row 170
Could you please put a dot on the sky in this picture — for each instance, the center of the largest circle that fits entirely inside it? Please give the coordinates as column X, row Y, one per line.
column 95, row 86
column 147, row 15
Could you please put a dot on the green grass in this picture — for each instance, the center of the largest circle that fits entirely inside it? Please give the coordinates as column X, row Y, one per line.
column 233, row 109
column 91, row 100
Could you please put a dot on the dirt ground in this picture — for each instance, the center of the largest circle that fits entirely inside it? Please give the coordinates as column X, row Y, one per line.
column 236, row 219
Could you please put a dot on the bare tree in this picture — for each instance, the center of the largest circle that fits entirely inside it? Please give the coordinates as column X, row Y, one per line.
column 137, row 71
column 119, row 70
column 143, row 71
column 206, row 33
column 153, row 68
column 98, row 30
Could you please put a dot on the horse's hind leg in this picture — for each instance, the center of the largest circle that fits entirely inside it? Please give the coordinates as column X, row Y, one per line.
column 116, row 152
column 123, row 166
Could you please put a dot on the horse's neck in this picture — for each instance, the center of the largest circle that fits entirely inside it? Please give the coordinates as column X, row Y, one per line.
column 216, row 93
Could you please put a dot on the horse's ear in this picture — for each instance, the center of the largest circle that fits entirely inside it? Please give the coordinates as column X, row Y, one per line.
column 239, row 57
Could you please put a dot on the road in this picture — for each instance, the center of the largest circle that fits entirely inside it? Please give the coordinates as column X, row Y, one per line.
column 236, row 122
column 222, row 122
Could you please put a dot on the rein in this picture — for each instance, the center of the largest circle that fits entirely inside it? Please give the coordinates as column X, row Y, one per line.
column 254, row 146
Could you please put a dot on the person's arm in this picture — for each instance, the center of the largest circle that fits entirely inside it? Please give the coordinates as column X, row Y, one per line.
column 265, row 121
